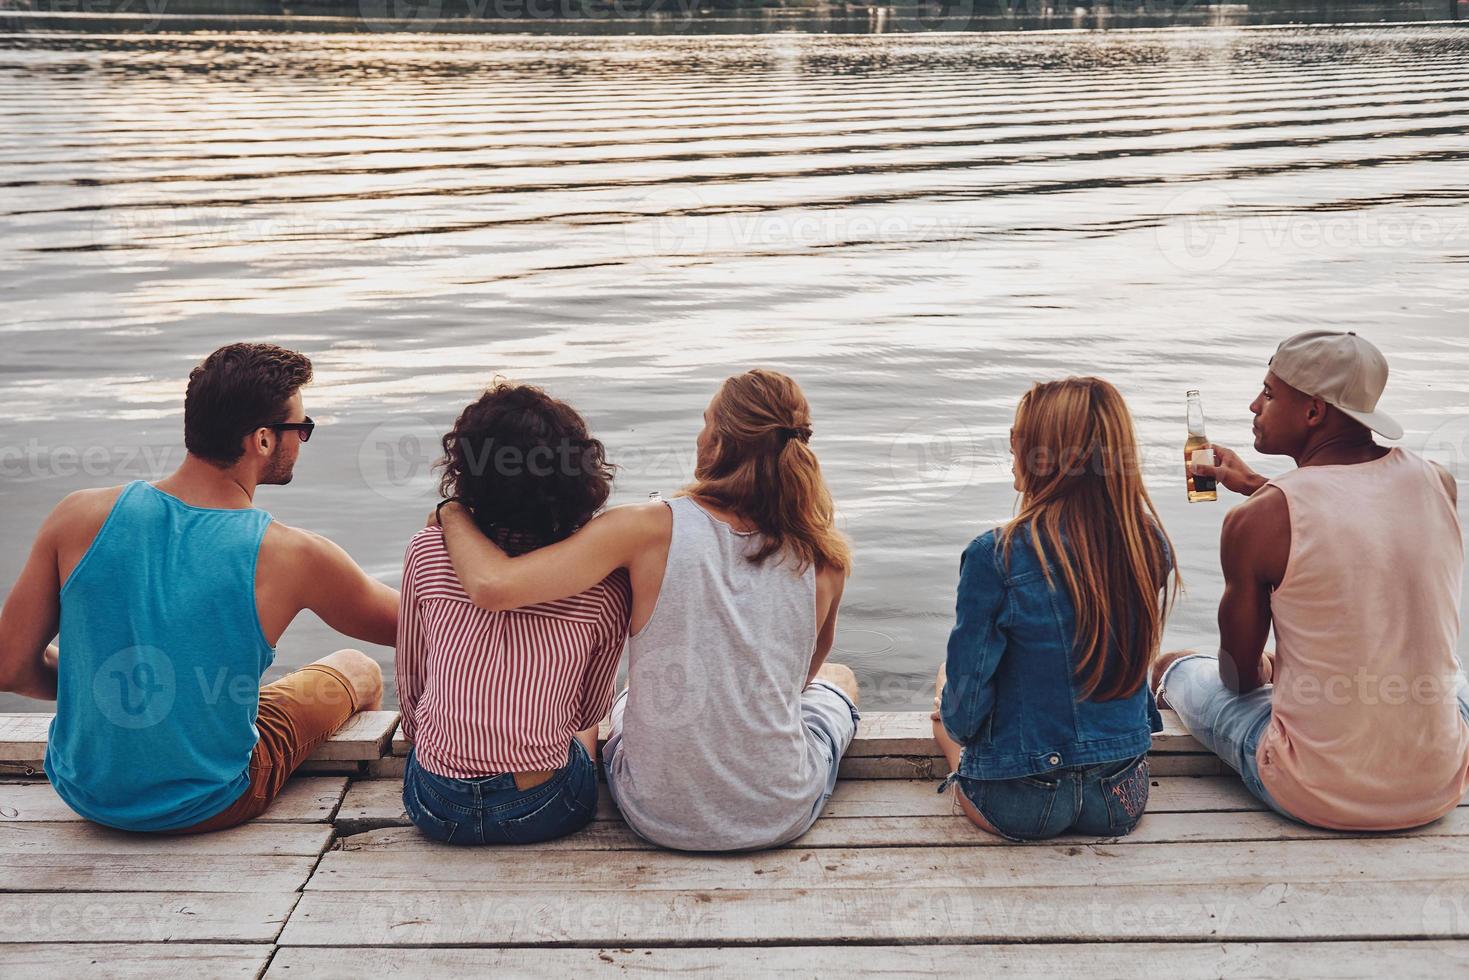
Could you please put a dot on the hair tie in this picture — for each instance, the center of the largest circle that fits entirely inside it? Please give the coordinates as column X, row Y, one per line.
column 802, row 432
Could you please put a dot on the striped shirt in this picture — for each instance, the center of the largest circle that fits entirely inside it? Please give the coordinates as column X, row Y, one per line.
column 483, row 693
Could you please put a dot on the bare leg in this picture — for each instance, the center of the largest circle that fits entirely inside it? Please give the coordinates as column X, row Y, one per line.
column 952, row 751
column 841, row 675
column 363, row 673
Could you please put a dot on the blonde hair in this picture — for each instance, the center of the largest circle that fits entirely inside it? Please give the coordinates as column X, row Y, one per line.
column 1084, row 503
column 758, row 463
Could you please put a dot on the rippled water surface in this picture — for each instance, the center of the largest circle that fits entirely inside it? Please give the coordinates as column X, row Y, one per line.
column 915, row 227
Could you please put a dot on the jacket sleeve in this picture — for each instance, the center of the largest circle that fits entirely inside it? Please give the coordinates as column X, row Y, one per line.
column 976, row 644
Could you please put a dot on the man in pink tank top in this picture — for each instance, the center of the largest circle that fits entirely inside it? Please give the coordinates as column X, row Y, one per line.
column 1360, row 718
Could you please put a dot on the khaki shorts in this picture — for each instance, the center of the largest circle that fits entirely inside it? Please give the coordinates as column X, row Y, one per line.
column 297, row 713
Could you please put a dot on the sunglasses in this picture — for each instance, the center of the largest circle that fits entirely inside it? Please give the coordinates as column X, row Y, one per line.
column 304, row 428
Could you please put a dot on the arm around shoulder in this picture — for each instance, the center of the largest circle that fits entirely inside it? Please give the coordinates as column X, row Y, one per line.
column 495, row 581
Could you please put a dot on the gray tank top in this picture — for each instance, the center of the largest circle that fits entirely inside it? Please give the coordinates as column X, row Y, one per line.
column 714, row 752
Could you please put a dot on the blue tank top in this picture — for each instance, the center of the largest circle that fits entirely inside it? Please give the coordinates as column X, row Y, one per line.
column 161, row 655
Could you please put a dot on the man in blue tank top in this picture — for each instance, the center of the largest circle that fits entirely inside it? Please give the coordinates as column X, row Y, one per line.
column 169, row 598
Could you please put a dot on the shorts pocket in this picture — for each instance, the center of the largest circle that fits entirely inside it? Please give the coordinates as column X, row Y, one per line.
column 560, row 814
column 1126, row 794
column 1019, row 809
column 433, row 826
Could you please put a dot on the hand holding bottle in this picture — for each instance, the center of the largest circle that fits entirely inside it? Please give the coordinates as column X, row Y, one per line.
column 1230, row 471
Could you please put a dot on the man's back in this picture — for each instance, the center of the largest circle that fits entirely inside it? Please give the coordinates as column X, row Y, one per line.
column 1366, row 730
column 159, row 636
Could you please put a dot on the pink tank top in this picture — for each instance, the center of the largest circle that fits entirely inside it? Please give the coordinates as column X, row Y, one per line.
column 1366, row 732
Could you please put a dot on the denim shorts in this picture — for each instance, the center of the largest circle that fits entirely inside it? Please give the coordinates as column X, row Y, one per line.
column 1102, row 800
column 490, row 810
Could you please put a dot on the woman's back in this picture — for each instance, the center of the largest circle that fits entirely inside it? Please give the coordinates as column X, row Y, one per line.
column 714, row 753
column 493, row 692
column 1037, row 716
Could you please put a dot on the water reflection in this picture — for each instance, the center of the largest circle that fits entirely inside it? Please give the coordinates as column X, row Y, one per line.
column 914, row 226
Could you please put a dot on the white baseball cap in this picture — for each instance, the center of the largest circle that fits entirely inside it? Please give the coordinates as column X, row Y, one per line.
column 1343, row 370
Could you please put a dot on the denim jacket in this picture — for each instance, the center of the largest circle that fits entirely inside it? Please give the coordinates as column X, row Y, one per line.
column 1012, row 698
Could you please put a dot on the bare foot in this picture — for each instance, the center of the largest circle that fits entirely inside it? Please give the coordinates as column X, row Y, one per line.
column 841, row 675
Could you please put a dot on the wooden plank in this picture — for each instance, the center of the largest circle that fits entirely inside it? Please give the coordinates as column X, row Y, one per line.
column 956, row 831
column 310, row 799
column 87, row 838
column 366, row 735
column 1184, row 961
column 1058, row 865
column 40, row 872
column 145, row 961
column 1231, row 912
column 143, row 917
column 910, row 733
column 374, row 803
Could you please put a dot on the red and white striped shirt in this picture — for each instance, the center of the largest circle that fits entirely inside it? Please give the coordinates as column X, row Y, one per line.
column 483, row 693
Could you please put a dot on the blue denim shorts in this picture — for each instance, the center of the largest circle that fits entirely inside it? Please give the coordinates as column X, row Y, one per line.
column 491, row 810
column 1102, row 800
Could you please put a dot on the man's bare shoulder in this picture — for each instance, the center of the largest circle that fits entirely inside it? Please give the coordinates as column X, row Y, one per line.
column 288, row 543
column 81, row 513
column 1261, row 517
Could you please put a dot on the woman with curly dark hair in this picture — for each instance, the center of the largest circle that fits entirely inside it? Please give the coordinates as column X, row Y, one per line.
column 502, row 708
column 733, row 724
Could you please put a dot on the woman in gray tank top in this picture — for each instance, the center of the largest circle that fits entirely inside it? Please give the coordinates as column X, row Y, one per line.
column 732, row 727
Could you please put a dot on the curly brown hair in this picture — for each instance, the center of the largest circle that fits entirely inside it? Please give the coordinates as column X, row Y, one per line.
column 524, row 463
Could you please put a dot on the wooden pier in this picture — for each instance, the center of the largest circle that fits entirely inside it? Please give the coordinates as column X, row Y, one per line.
column 334, row 882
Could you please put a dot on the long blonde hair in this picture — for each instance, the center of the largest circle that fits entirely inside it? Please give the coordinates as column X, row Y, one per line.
column 1085, row 505
column 758, row 463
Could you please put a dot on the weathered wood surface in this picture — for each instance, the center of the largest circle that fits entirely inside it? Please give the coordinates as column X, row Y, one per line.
column 891, row 881
column 1177, row 961
column 143, row 961
column 1285, row 909
column 371, row 804
column 80, row 837
column 895, row 813
column 42, row 872
column 1060, row 865
column 308, row 799
column 143, row 917
column 910, row 733
column 367, row 735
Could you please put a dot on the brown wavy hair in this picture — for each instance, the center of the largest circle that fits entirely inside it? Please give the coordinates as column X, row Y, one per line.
column 525, row 465
column 1084, row 503
column 759, row 464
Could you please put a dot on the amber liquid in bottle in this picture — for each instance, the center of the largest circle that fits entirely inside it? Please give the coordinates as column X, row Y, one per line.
column 1200, row 488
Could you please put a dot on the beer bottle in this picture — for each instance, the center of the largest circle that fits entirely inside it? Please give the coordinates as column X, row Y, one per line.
column 1197, row 450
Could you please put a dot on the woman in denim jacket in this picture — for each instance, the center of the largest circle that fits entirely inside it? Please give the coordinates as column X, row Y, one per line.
column 1046, row 718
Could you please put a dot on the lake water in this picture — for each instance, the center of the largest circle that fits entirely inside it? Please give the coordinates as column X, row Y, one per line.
column 915, row 227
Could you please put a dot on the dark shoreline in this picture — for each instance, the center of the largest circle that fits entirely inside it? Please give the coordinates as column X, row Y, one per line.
column 694, row 17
